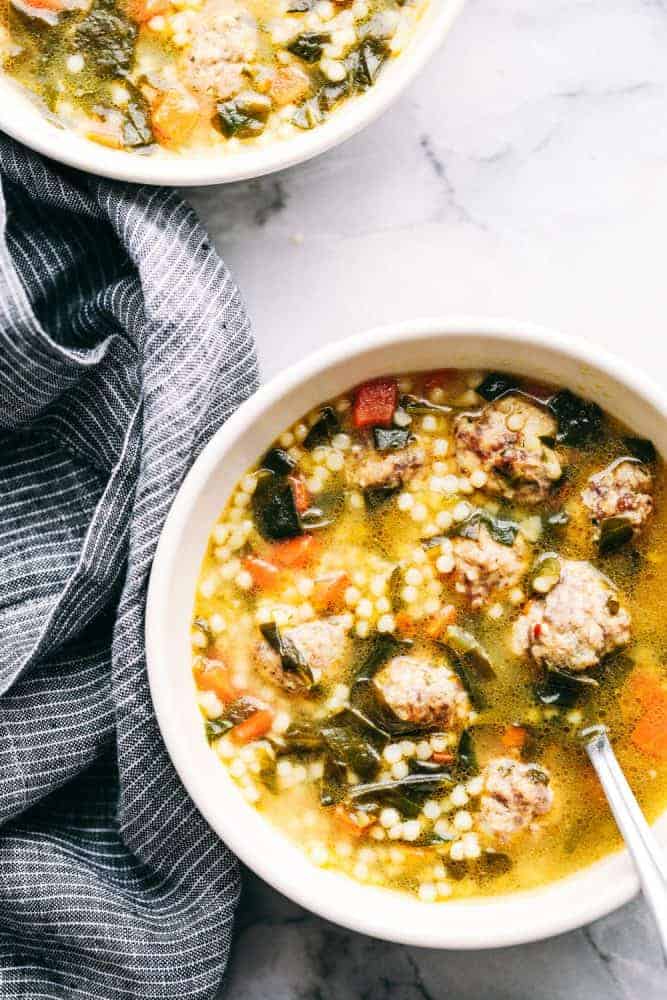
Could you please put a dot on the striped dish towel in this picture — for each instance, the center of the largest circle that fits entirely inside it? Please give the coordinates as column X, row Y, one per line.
column 124, row 345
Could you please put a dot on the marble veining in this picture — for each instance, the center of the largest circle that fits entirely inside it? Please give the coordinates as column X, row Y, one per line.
column 524, row 173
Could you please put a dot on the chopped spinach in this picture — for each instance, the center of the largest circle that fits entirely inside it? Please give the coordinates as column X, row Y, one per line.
column 390, row 438
column 308, row 46
column 239, row 710
column 302, row 736
column 492, row 864
column 470, row 651
column 563, row 689
column 216, row 728
column 106, row 39
column 642, row 449
column 329, row 506
column 501, row 529
column 495, row 385
column 324, row 428
column 466, row 755
column 365, row 63
column 377, row 496
column 614, row 533
column 136, row 127
column 579, row 420
column 404, row 794
column 333, row 785
column 309, row 114
column 274, row 509
column 291, row 657
column 279, row 461
column 350, row 742
column 236, row 121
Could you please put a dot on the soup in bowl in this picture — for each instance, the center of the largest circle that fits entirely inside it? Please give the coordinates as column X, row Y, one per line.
column 197, row 91
column 414, row 597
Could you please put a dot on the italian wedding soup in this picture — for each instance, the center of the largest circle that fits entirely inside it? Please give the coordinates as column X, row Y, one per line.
column 200, row 75
column 410, row 610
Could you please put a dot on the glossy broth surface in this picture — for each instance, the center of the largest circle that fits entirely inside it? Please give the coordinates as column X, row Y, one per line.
column 365, row 538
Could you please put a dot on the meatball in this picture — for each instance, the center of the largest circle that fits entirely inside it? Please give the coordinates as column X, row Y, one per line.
column 514, row 796
column 422, row 692
column 323, row 644
column 620, row 490
column 506, row 441
column 392, row 469
column 575, row 625
column 224, row 39
column 482, row 566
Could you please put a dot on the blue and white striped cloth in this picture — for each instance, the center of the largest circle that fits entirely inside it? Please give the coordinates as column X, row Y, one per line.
column 124, row 345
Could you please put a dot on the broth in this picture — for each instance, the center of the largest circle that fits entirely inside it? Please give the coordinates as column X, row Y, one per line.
column 408, row 614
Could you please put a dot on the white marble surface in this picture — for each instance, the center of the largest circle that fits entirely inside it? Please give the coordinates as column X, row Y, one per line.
column 525, row 174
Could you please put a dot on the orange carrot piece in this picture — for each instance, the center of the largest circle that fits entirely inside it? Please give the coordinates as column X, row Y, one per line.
column 405, row 624
column 345, row 820
column 216, row 679
column 144, row 10
column 294, row 551
column 650, row 733
column 514, row 737
column 436, row 624
column 300, row 493
column 254, row 727
column 329, row 590
column 174, row 116
column 264, row 574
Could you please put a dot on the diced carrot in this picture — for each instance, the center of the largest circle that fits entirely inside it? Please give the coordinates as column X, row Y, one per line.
column 514, row 737
column 254, row 727
column 442, row 757
column 405, row 624
column 294, row 551
column 375, row 403
column 174, row 116
column 329, row 590
column 650, row 733
column 644, row 686
column 144, row 10
column 438, row 379
column 105, row 139
column 300, row 493
column 264, row 574
column 436, row 624
column 216, row 679
column 55, row 5
column 348, row 823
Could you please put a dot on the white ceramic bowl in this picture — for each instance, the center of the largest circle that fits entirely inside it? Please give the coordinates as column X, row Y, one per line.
column 425, row 344
column 20, row 118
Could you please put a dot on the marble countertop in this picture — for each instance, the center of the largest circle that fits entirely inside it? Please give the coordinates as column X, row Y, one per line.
column 523, row 174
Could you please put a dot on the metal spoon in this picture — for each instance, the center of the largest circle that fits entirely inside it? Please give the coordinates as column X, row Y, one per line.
column 648, row 856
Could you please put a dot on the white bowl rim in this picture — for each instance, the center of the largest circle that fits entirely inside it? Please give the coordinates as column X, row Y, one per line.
column 544, row 921
column 35, row 131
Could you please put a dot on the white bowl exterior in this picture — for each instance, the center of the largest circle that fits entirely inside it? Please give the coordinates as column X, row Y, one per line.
column 426, row 344
column 20, row 118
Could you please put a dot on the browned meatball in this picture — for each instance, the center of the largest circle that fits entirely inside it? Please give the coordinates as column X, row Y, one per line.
column 482, row 566
column 575, row 625
column 623, row 489
column 324, row 645
column 391, row 469
column 422, row 692
column 505, row 440
column 224, row 39
column 515, row 794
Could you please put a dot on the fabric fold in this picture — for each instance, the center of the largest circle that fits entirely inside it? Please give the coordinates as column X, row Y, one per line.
column 124, row 345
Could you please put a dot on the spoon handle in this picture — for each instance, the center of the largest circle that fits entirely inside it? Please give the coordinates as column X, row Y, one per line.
column 647, row 854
